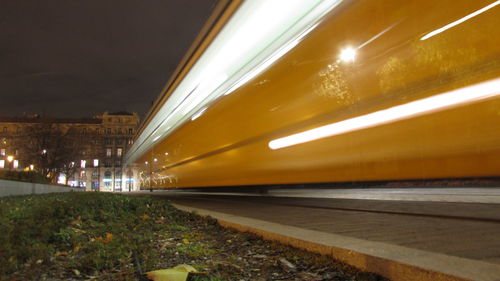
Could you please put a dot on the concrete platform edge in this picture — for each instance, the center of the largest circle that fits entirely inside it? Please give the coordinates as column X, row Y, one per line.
column 391, row 261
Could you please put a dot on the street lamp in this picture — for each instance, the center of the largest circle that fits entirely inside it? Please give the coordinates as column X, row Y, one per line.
column 10, row 158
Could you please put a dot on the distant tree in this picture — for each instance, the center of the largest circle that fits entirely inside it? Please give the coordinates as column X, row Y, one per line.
column 53, row 148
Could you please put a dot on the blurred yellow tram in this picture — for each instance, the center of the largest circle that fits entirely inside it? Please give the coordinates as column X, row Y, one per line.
column 282, row 92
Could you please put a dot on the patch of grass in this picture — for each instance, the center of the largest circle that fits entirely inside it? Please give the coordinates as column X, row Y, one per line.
column 178, row 227
column 92, row 232
column 194, row 250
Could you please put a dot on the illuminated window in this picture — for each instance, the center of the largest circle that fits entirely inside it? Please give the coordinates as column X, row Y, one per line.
column 96, row 162
column 82, row 163
column 108, row 152
column 2, row 164
column 107, row 179
column 119, row 151
column 118, row 179
column 2, row 151
column 82, row 174
column 15, row 164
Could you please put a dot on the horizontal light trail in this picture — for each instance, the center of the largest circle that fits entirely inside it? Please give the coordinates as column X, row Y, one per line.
column 409, row 110
column 457, row 22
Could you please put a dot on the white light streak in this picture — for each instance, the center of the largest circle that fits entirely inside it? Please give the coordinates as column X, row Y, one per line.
column 254, row 38
column 198, row 114
column 457, row 22
column 270, row 61
column 378, row 35
column 409, row 110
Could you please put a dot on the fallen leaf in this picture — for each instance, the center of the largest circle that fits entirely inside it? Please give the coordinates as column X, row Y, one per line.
column 109, row 238
column 178, row 273
column 63, row 253
column 77, row 248
column 185, row 241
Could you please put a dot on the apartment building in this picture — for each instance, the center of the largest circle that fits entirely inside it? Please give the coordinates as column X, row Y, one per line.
column 101, row 141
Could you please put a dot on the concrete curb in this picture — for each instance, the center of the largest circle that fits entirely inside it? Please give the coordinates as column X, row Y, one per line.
column 391, row 261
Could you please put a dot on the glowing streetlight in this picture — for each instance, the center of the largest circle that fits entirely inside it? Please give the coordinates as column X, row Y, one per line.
column 32, row 167
column 10, row 158
column 348, row 55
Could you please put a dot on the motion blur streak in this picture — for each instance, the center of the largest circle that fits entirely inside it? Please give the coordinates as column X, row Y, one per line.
column 432, row 104
column 457, row 22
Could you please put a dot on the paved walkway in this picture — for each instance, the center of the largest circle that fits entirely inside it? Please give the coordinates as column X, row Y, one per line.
column 464, row 243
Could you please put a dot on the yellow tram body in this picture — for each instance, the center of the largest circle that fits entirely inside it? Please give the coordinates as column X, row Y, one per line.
column 361, row 60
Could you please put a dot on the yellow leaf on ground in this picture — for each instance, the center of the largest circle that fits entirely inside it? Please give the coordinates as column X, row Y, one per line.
column 63, row 253
column 109, row 238
column 178, row 273
column 77, row 248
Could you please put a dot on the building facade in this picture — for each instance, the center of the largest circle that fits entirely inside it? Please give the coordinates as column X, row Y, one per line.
column 102, row 143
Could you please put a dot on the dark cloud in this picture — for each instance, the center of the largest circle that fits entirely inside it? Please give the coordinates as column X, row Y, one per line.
column 80, row 57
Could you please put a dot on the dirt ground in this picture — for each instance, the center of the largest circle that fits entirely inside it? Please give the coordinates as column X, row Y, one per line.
column 113, row 237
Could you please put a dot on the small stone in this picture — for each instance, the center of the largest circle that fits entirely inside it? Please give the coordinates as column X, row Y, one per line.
column 260, row 256
column 76, row 272
column 288, row 265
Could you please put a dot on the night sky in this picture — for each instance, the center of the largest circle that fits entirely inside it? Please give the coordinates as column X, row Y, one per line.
column 78, row 58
